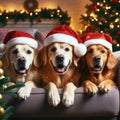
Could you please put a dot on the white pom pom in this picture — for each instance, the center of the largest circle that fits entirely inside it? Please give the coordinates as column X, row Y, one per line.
column 2, row 47
column 80, row 50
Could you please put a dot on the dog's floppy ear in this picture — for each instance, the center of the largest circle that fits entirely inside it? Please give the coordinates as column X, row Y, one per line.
column 35, row 59
column 6, row 60
column 75, row 60
column 111, row 62
column 40, row 58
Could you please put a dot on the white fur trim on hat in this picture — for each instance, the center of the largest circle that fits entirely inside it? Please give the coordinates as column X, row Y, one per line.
column 60, row 38
column 22, row 40
column 98, row 41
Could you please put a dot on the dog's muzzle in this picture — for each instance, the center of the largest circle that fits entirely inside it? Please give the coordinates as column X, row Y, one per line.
column 21, row 67
column 59, row 67
column 96, row 64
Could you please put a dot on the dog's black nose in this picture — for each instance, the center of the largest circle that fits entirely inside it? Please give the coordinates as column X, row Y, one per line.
column 59, row 60
column 21, row 60
column 96, row 60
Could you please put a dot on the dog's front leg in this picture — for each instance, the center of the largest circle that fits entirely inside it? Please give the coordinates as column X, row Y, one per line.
column 53, row 94
column 25, row 91
column 69, row 94
column 106, row 85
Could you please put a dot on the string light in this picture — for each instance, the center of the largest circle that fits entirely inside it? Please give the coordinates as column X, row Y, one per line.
column 31, row 14
column 116, row 20
column 118, row 45
column 6, row 18
column 118, row 26
column 85, row 15
column 104, row 1
column 116, row 13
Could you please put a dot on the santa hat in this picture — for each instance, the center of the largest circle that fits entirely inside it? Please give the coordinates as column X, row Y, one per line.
column 18, row 37
column 97, row 38
column 65, row 34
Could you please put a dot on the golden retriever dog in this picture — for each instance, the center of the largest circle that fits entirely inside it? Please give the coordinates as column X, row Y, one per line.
column 59, row 68
column 19, row 62
column 98, row 68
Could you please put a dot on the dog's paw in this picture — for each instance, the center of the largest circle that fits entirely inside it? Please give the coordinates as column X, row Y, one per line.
column 24, row 92
column 90, row 88
column 106, row 85
column 68, row 99
column 53, row 98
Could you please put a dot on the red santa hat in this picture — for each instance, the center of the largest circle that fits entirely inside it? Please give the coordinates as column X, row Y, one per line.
column 65, row 34
column 97, row 38
column 18, row 37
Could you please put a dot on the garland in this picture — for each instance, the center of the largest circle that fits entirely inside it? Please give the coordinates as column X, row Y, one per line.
column 35, row 15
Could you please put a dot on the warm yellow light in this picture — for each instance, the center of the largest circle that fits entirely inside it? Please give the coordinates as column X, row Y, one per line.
column 105, row 13
column 116, row 20
column 118, row 45
column 36, row 13
column 51, row 15
column 108, row 7
column 98, row 3
column 22, row 11
column 117, row 13
column 60, row 16
column 31, row 14
column 37, row 10
column 98, row 10
column 85, row 15
column 7, row 18
column 118, row 26
column 111, row 25
column 58, row 11
column 100, row 23
column 104, row 1
column 96, row 19
column 101, row 4
column 92, row 14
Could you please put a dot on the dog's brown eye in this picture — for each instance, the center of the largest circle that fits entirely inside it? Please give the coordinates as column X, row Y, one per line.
column 90, row 51
column 102, row 51
column 67, row 49
column 15, row 51
column 29, row 52
column 53, row 49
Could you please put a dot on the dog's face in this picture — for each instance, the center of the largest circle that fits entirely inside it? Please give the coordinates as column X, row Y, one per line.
column 21, row 58
column 96, row 56
column 60, row 57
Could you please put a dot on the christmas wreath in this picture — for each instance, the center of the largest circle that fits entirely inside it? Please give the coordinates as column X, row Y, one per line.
column 30, row 5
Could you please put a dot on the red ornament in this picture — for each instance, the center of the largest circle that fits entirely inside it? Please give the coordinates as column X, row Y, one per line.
column 94, row 6
column 39, row 20
column 118, row 31
column 88, row 29
column 115, row 1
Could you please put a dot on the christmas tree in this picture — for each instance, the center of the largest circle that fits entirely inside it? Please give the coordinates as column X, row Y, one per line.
column 6, row 111
column 103, row 16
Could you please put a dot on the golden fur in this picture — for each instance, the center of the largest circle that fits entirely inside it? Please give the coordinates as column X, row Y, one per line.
column 100, row 77
column 64, row 77
column 10, row 59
